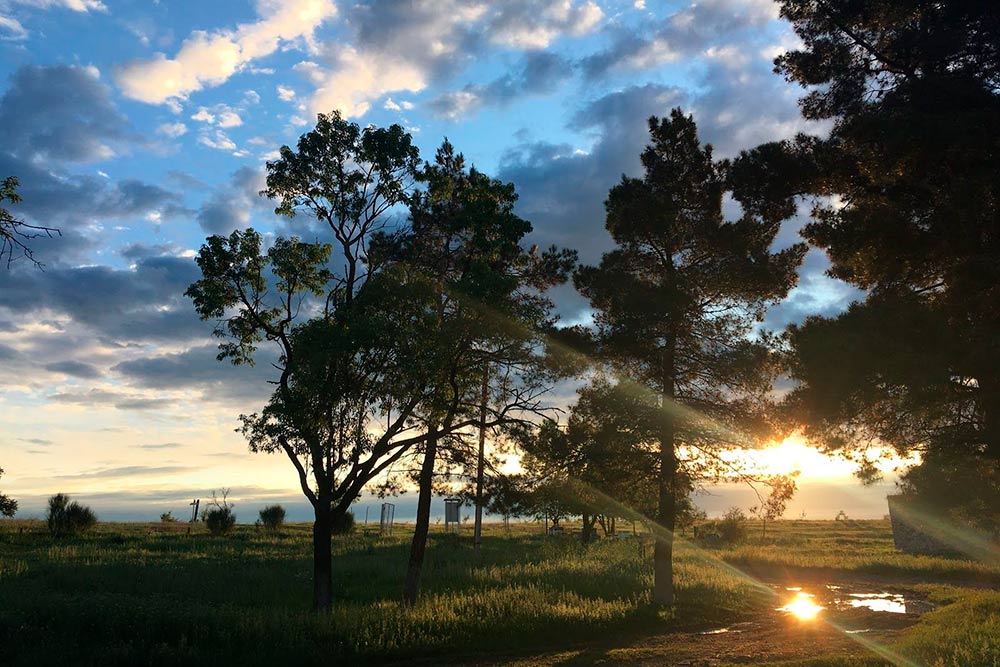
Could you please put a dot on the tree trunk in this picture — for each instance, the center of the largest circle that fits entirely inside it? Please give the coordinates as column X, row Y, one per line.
column 322, row 557
column 418, row 547
column 663, row 553
column 989, row 405
column 585, row 534
column 481, row 460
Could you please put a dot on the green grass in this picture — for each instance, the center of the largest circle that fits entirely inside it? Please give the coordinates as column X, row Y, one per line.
column 127, row 594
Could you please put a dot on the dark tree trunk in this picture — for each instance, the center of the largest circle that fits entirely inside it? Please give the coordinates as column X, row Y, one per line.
column 990, row 408
column 322, row 557
column 663, row 553
column 418, row 547
column 585, row 534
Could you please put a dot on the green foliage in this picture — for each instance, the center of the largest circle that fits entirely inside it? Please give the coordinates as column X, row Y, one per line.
column 732, row 527
column 8, row 506
column 68, row 518
column 168, row 517
column 272, row 517
column 343, row 523
column 906, row 188
column 218, row 515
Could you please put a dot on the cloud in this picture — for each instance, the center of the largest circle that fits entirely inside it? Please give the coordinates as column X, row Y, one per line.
column 76, row 369
column 15, row 31
column 162, row 445
column 686, row 32
column 208, row 59
column 541, row 72
column 217, row 140
column 75, row 5
column 285, row 93
column 530, row 24
column 172, row 130
column 198, row 368
column 61, row 113
column 144, row 303
column 230, row 206
column 120, row 401
column 127, row 471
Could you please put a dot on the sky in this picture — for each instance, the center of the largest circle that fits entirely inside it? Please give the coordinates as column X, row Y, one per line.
column 140, row 127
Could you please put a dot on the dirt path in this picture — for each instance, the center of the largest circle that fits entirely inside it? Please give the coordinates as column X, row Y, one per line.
column 774, row 638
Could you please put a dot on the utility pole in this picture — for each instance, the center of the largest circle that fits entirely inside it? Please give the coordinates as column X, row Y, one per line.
column 480, row 461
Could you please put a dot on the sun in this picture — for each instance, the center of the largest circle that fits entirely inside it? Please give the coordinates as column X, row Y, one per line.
column 802, row 607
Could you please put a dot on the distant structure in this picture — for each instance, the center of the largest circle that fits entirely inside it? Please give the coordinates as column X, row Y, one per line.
column 916, row 529
column 385, row 522
column 452, row 514
column 195, row 504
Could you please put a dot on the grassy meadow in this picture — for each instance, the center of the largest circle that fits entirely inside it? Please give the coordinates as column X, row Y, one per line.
column 126, row 594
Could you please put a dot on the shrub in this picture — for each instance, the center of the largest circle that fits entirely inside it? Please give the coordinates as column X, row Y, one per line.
column 272, row 517
column 68, row 518
column 219, row 516
column 733, row 526
column 343, row 524
column 168, row 517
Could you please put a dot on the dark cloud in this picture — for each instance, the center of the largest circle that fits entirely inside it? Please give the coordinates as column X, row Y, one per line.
column 127, row 471
column 162, row 445
column 198, row 368
column 562, row 191
column 230, row 206
column 101, row 397
column 690, row 31
column 42, row 442
column 541, row 72
column 62, row 113
column 75, row 369
column 139, row 250
column 7, row 352
column 143, row 303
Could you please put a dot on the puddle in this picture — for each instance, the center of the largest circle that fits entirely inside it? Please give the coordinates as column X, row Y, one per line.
column 860, row 607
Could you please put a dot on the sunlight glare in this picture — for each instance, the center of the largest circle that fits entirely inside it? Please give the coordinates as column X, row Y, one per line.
column 802, row 607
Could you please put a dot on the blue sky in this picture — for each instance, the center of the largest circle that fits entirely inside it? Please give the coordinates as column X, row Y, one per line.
column 138, row 128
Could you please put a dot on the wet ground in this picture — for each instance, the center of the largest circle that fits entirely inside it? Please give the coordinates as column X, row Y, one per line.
column 844, row 619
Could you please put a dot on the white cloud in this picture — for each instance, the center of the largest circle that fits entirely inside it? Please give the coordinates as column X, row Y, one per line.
column 298, row 121
column 229, row 119
column 172, row 130
column 359, row 78
column 204, row 116
column 286, row 94
column 15, row 31
column 217, row 140
column 251, row 97
column 526, row 25
column 392, row 105
column 75, row 5
column 208, row 59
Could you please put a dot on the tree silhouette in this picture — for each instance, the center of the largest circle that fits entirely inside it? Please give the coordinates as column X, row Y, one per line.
column 908, row 199
column 8, row 506
column 676, row 301
column 16, row 233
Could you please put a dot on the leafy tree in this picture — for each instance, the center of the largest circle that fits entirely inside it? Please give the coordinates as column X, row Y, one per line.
column 344, row 327
column 14, row 232
column 771, row 508
column 272, row 517
column 8, row 506
column 68, row 518
column 676, row 302
column 487, row 321
column 907, row 188
column 505, row 495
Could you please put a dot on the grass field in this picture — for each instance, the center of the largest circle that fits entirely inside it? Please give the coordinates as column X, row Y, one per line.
column 127, row 594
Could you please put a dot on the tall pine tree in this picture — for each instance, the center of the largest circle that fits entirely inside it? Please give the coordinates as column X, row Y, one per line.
column 676, row 304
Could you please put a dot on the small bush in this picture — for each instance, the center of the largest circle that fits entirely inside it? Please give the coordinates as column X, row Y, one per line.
column 168, row 517
column 219, row 516
column 68, row 518
column 272, row 517
column 733, row 526
column 343, row 524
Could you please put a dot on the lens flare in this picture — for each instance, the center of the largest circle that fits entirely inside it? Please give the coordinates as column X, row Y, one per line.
column 802, row 607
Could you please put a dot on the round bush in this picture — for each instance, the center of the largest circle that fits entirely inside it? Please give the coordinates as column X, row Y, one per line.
column 272, row 517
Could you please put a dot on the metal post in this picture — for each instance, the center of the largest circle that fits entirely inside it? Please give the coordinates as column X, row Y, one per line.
column 480, row 462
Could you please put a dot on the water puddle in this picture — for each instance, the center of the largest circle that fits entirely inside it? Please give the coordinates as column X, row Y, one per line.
column 857, row 607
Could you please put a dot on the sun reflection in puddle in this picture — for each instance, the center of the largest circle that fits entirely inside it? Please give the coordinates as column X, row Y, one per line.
column 802, row 606
column 887, row 602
